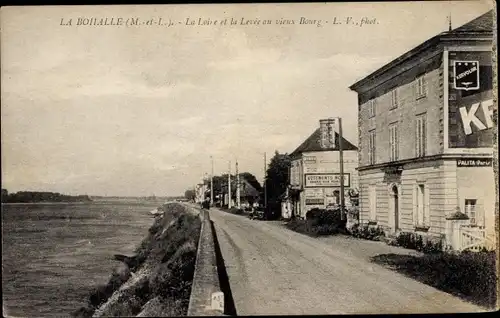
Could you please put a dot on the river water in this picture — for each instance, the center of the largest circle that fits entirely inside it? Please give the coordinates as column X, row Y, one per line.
column 53, row 255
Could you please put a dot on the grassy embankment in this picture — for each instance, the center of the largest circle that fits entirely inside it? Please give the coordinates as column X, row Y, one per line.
column 156, row 281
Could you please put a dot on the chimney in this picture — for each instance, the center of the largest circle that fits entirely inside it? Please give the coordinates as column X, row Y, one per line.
column 327, row 132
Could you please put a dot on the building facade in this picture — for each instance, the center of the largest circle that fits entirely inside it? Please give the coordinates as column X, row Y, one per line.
column 248, row 193
column 315, row 170
column 426, row 134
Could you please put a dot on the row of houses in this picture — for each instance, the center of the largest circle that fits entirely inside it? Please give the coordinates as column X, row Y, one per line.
column 425, row 142
column 248, row 194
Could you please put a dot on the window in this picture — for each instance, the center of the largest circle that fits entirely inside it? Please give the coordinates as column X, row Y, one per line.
column 394, row 101
column 371, row 147
column 373, row 203
column 470, row 210
column 371, row 108
column 421, row 205
column 393, row 142
column 421, row 87
column 420, row 135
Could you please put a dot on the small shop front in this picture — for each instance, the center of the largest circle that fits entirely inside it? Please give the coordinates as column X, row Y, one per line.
column 322, row 191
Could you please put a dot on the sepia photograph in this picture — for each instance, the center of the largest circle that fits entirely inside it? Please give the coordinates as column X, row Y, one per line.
column 323, row 158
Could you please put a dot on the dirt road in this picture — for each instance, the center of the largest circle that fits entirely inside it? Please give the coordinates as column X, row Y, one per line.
column 274, row 271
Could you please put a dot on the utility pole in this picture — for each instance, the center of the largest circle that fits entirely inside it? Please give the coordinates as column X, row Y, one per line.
column 341, row 157
column 237, row 186
column 229, row 186
column 212, row 183
column 265, row 181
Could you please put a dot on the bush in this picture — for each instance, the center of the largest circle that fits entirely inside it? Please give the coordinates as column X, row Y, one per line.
column 470, row 275
column 319, row 222
column 415, row 241
column 353, row 213
column 319, row 217
column 173, row 279
column 366, row 232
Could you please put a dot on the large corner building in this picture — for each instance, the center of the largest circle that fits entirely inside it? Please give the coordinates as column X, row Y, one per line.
column 426, row 134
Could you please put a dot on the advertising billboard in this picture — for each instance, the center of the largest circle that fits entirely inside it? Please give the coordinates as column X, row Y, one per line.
column 470, row 102
column 295, row 173
column 326, row 180
column 314, row 197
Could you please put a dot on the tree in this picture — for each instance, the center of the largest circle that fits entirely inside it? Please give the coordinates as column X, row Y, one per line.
column 5, row 195
column 276, row 183
column 189, row 194
column 252, row 180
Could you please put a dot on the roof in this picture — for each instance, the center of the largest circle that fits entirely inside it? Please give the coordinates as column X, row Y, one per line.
column 312, row 143
column 482, row 25
column 247, row 190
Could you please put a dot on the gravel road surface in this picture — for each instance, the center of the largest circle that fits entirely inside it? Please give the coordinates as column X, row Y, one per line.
column 275, row 271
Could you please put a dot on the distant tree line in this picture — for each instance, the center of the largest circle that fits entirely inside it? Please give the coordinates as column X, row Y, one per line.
column 189, row 195
column 34, row 196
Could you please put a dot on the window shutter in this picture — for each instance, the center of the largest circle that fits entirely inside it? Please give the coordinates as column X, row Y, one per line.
column 424, row 135
column 415, row 205
column 480, row 215
column 419, row 136
column 397, row 143
column 416, row 138
column 373, row 203
column 427, row 212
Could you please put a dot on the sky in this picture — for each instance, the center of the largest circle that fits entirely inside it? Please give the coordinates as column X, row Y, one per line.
column 139, row 110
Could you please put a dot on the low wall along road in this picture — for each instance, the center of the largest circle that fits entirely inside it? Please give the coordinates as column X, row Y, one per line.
column 206, row 295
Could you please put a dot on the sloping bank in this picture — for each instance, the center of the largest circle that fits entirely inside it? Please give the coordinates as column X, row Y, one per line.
column 156, row 281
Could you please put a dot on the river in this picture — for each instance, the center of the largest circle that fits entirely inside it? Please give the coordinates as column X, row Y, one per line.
column 53, row 255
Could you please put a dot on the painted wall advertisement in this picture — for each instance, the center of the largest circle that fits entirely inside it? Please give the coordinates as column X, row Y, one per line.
column 314, row 197
column 470, row 107
column 295, row 173
column 326, row 180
